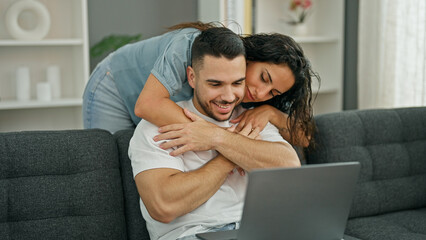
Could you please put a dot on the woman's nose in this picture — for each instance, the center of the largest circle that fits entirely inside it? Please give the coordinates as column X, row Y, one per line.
column 263, row 94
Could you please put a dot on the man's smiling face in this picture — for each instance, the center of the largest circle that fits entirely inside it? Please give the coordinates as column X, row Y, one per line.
column 219, row 86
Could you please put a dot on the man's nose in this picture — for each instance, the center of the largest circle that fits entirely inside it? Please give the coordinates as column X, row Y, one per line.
column 228, row 94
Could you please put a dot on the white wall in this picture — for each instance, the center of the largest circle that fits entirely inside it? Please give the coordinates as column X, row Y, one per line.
column 147, row 17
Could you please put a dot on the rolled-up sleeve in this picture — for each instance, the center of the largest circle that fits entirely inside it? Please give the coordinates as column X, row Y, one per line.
column 170, row 67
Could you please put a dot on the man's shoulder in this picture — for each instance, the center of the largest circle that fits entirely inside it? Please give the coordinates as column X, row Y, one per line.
column 271, row 133
column 145, row 129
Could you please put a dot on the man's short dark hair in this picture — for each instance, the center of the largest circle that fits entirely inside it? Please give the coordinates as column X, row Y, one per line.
column 216, row 42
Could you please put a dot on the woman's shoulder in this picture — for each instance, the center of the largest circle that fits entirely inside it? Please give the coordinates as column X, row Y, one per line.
column 178, row 35
column 184, row 33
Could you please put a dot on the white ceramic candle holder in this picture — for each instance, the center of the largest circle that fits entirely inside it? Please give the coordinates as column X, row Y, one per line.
column 23, row 84
column 44, row 92
column 53, row 74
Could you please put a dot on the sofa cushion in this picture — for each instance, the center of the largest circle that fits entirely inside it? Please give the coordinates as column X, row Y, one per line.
column 389, row 144
column 403, row 225
column 136, row 226
column 60, row 185
column 347, row 237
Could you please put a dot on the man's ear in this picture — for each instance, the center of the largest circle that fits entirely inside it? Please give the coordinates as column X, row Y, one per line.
column 190, row 73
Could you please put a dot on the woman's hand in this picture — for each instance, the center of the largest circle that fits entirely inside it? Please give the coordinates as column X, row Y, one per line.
column 255, row 119
column 193, row 136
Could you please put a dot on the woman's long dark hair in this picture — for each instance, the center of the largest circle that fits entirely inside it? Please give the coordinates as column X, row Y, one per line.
column 280, row 49
column 297, row 102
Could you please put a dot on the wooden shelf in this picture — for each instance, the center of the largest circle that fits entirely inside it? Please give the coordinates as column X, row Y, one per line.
column 324, row 90
column 316, row 39
column 46, row 42
column 65, row 102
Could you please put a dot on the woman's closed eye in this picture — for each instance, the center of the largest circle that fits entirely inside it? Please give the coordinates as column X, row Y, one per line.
column 266, row 80
column 263, row 78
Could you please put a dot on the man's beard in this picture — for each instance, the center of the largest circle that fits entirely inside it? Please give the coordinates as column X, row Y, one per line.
column 210, row 113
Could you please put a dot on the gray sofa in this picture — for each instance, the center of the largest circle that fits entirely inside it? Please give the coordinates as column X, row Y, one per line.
column 78, row 184
column 74, row 184
column 390, row 198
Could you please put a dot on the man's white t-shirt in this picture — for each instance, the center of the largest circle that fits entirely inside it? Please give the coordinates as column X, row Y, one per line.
column 224, row 207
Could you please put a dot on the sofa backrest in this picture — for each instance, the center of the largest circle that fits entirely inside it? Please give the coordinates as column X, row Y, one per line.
column 390, row 144
column 136, row 226
column 60, row 185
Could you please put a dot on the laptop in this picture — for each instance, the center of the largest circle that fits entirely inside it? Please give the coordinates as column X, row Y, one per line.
column 310, row 202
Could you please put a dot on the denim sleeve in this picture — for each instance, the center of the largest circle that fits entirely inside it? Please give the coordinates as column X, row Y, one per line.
column 170, row 67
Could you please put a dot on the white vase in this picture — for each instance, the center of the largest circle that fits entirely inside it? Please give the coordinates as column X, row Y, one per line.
column 300, row 30
column 13, row 14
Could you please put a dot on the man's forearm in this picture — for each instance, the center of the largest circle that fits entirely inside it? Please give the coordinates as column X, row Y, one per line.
column 182, row 192
column 251, row 154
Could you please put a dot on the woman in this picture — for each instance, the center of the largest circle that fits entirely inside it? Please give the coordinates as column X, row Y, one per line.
column 153, row 71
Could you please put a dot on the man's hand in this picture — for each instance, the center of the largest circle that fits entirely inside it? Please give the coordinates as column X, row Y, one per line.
column 194, row 136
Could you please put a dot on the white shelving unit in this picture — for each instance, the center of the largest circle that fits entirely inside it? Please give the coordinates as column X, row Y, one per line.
column 66, row 45
column 63, row 102
column 323, row 43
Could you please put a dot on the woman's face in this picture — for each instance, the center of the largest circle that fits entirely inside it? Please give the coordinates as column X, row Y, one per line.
column 266, row 80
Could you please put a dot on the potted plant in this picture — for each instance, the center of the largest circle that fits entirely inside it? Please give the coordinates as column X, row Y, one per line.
column 300, row 9
column 111, row 43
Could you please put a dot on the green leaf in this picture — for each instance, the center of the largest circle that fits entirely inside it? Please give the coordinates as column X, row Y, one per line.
column 111, row 43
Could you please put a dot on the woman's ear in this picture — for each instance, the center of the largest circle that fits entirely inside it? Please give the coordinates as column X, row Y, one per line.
column 190, row 73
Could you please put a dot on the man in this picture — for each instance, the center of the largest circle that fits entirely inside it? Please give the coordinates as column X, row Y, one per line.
column 184, row 194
